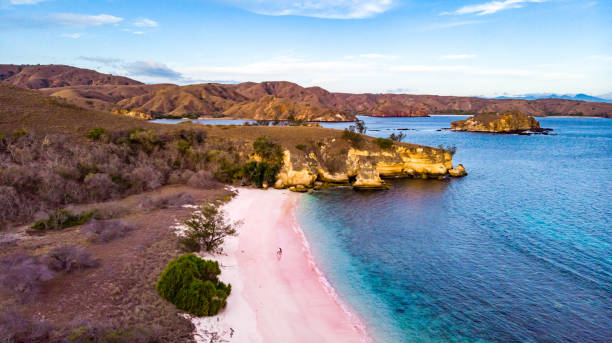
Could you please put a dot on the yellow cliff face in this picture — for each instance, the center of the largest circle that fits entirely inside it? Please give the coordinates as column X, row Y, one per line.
column 365, row 169
column 133, row 114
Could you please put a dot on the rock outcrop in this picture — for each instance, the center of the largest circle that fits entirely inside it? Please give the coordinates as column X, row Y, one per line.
column 364, row 169
column 510, row 122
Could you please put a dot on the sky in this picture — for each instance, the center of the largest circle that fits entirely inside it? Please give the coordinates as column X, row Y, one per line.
column 445, row 47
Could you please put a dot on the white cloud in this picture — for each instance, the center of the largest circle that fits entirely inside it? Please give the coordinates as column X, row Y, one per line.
column 72, row 35
column 25, row 2
column 144, row 22
column 83, row 20
column 436, row 26
column 330, row 9
column 492, row 7
column 379, row 56
column 138, row 32
column 457, row 57
column 152, row 69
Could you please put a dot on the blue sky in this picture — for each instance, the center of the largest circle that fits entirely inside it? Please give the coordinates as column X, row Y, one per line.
column 447, row 47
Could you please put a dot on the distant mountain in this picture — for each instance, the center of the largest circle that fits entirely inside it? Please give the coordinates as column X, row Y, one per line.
column 607, row 96
column 269, row 100
column 45, row 76
column 577, row 97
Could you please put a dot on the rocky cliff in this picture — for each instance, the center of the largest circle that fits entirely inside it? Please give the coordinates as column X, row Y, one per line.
column 511, row 122
column 365, row 169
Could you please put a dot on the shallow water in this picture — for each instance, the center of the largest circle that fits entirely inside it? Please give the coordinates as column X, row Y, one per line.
column 520, row 250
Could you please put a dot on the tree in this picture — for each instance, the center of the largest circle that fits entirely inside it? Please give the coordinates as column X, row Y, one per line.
column 360, row 126
column 207, row 229
column 397, row 137
column 192, row 285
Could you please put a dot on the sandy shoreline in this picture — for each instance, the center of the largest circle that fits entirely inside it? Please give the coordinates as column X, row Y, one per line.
column 275, row 300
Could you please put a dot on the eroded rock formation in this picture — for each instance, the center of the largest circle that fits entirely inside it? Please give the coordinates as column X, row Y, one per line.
column 364, row 169
column 510, row 122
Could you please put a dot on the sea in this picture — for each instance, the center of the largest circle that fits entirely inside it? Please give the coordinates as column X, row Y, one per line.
column 519, row 250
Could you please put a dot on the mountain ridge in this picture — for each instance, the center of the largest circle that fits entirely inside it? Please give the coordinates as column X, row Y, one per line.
column 265, row 100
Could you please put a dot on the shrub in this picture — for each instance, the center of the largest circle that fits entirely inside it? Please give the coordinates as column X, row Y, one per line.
column 260, row 172
column 207, row 229
column 353, row 137
column 450, row 148
column 192, row 285
column 397, row 137
column 203, row 179
column 62, row 219
column 360, row 126
column 106, row 230
column 22, row 275
column 70, row 258
column 301, row 147
column 268, row 150
column 14, row 327
column 148, row 203
column 109, row 211
column 91, row 332
column 384, row 143
column 19, row 133
column 95, row 134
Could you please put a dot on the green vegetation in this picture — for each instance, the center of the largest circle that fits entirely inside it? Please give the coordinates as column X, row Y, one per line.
column 192, row 285
column 207, row 229
column 268, row 150
column 19, row 133
column 62, row 219
column 96, row 134
column 261, row 172
column 384, row 143
column 355, row 138
column 301, row 147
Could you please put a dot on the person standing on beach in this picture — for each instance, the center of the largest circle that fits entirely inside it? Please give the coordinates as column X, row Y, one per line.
column 279, row 253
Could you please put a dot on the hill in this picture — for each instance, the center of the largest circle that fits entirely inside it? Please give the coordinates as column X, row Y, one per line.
column 265, row 100
column 44, row 76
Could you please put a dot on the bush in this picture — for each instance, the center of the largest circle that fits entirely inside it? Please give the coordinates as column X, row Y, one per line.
column 96, row 134
column 203, row 180
column 353, row 137
column 109, row 211
column 105, row 230
column 384, row 143
column 397, row 137
column 177, row 200
column 268, row 150
column 192, row 285
column 360, row 126
column 22, row 275
column 14, row 327
column 62, row 219
column 207, row 229
column 450, row 148
column 89, row 332
column 260, row 172
column 301, row 147
column 70, row 258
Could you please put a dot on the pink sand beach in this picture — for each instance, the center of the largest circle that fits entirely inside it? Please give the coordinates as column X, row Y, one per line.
column 274, row 299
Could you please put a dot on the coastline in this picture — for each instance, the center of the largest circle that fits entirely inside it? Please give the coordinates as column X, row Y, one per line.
column 275, row 300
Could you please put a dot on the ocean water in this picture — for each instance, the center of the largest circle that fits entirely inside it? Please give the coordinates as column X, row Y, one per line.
column 520, row 250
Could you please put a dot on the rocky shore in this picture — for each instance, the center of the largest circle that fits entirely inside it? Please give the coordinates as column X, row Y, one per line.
column 510, row 122
column 367, row 169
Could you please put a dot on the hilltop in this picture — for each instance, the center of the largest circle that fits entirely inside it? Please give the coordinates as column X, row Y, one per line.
column 265, row 100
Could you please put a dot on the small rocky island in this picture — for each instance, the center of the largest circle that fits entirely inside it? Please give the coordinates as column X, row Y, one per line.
column 509, row 122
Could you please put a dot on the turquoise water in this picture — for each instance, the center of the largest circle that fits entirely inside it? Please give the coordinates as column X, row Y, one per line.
column 520, row 250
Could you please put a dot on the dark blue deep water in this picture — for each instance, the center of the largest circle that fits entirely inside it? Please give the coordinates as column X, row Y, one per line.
column 520, row 250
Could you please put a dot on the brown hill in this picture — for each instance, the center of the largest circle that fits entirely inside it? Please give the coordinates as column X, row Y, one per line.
column 45, row 76
column 265, row 100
